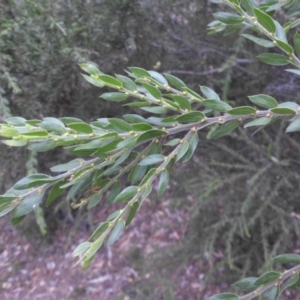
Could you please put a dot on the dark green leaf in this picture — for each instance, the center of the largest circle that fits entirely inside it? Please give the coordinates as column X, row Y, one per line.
column 270, row 294
column 79, row 186
column 81, row 127
column 284, row 46
column 99, row 230
column 137, row 173
column 175, row 81
column 288, row 258
column 35, row 134
column 263, row 101
column 53, row 124
column 133, row 209
column 146, row 193
column 33, row 181
column 173, row 142
column 148, row 176
column 137, row 104
column 110, row 81
column 224, row 129
column 193, row 142
column 68, row 166
column 90, row 68
column 126, row 194
column 55, row 192
column 265, row 20
column 158, row 77
column 243, row 110
column 249, row 6
column 116, row 96
column 121, row 124
column 128, row 143
column 217, row 105
column 116, row 232
column 297, row 43
column 70, row 120
column 94, row 199
column 261, row 42
column 127, row 83
column 258, row 122
column 155, row 92
column 163, row 182
column 42, row 146
column 228, row 18
column 191, row 117
column 131, row 118
column 225, row 296
column 16, row 221
column 152, row 160
column 28, row 204
column 155, row 110
column 138, row 72
column 209, row 93
column 290, row 282
column 183, row 150
column 267, row 278
column 294, row 126
column 115, row 190
column 183, row 102
column 283, row 111
column 141, row 127
column 246, row 284
column 151, row 134
column 274, row 59
column 93, row 80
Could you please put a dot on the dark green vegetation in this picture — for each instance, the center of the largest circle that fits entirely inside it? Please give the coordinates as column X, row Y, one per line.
column 247, row 186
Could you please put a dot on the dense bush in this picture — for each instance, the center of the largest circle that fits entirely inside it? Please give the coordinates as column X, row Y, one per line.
column 136, row 147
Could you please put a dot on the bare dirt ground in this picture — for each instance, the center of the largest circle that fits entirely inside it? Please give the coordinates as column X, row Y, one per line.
column 31, row 268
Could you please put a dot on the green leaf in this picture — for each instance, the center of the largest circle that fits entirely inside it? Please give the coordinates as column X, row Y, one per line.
column 16, row 221
column 265, row 20
column 297, row 72
column 183, row 150
column 79, row 186
column 261, row 42
column 42, row 146
column 127, row 83
column 175, row 81
column 267, row 278
column 137, row 173
column 155, row 110
column 258, row 122
column 6, row 199
column 263, row 101
column 93, row 80
column 27, row 204
column 35, row 134
column 137, row 104
column 53, row 124
column 224, row 296
column 243, row 110
column 128, row 143
column 148, row 176
column 55, row 192
column 116, row 96
column 224, row 129
column 283, row 111
column 249, row 6
column 142, row 127
column 209, row 93
column 163, row 182
column 228, row 18
column 284, row 46
column 81, row 248
column 90, row 68
column 155, row 92
column 152, row 160
column 280, row 32
column 116, row 232
column 288, row 258
column 131, row 118
column 216, row 105
column 138, row 72
column 133, row 209
column 121, row 124
column 126, row 194
column 191, row 117
column 270, row 294
column 158, row 77
column 70, row 120
column 246, row 284
column 33, row 181
column 15, row 143
column 297, row 43
column 151, row 134
column 294, row 126
column 115, row 190
column 110, row 81
column 193, row 142
column 183, row 102
column 5, row 209
column 68, row 166
column 99, row 230
column 9, row 132
column 81, row 127
column 274, row 59
column 290, row 282
column 16, row 121
column 173, row 142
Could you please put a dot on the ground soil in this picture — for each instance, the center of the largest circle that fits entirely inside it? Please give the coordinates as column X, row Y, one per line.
column 34, row 268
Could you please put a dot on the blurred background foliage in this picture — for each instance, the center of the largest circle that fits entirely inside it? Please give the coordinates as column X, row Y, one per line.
column 244, row 188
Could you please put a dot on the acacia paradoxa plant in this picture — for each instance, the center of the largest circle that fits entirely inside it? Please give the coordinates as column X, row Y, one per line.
column 127, row 156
